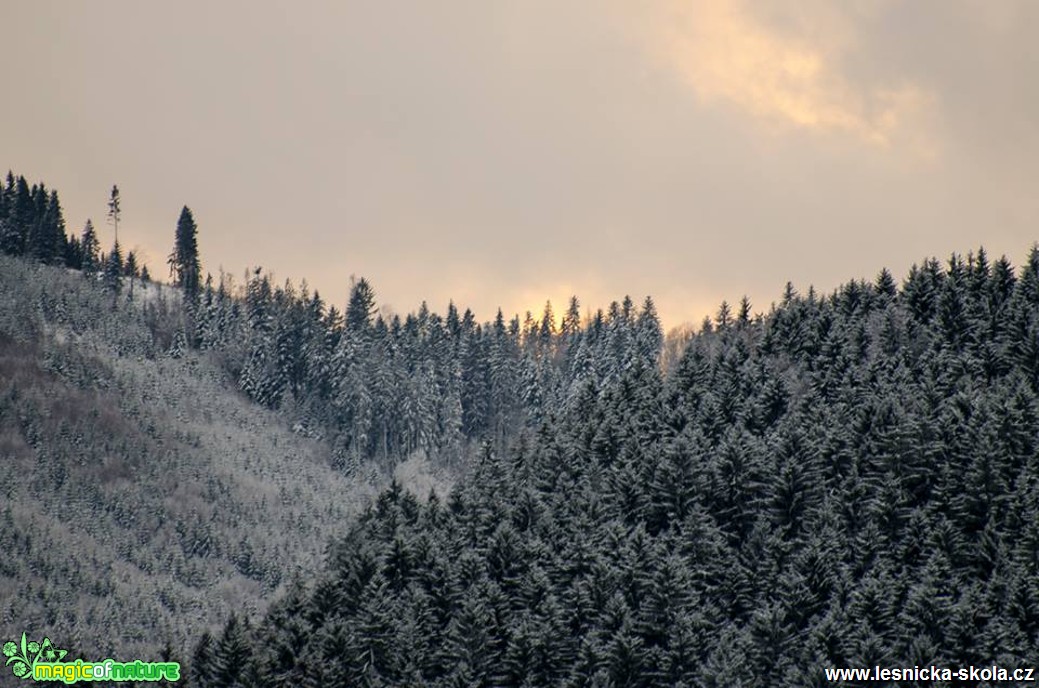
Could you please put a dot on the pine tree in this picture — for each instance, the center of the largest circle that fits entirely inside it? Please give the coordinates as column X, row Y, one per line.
column 361, row 308
column 203, row 665
column 724, row 317
column 232, row 655
column 115, row 211
column 184, row 260
column 48, row 236
column 130, row 268
column 20, row 217
column 90, row 249
column 114, row 268
column 6, row 197
column 648, row 336
column 744, row 315
column 547, row 328
column 73, row 253
column 571, row 325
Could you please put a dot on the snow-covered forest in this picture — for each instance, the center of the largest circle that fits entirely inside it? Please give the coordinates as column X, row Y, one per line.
column 844, row 479
column 847, row 481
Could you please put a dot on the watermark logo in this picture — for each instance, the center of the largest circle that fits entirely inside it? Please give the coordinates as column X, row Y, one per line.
column 22, row 659
column 42, row 661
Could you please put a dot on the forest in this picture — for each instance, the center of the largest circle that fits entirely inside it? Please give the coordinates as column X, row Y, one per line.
column 847, row 479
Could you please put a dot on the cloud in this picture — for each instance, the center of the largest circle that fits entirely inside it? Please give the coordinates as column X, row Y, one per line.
column 786, row 72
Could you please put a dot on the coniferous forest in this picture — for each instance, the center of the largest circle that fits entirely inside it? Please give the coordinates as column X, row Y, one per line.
column 842, row 480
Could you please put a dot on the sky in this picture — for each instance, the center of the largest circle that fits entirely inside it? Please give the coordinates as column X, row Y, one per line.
column 502, row 154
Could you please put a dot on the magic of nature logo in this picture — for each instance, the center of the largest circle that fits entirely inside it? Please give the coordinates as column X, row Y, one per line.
column 42, row 661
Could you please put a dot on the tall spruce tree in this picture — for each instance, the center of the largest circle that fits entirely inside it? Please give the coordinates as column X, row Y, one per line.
column 361, row 308
column 183, row 261
column 115, row 211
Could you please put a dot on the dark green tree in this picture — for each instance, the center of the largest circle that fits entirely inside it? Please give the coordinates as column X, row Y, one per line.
column 20, row 215
column 47, row 239
column 185, row 267
column 130, row 267
column 115, row 211
column 203, row 662
column 90, row 248
column 232, row 655
column 361, row 308
column 114, row 268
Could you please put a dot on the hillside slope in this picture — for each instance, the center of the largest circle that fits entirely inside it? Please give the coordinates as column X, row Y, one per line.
column 142, row 495
column 850, row 481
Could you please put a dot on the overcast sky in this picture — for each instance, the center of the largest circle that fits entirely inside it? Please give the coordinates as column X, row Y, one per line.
column 505, row 153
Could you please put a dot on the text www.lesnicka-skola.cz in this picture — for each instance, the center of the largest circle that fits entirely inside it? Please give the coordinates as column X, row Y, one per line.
column 993, row 674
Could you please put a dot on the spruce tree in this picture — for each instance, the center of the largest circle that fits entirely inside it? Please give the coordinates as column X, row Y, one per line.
column 232, row 654
column 90, row 248
column 19, row 217
column 203, row 662
column 4, row 204
column 361, row 307
column 73, row 253
column 48, row 237
column 115, row 211
column 114, row 268
column 36, row 244
column 183, row 260
column 130, row 268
